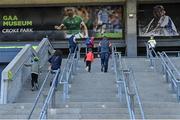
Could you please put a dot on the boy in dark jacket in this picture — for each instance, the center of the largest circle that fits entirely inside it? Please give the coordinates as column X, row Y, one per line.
column 55, row 63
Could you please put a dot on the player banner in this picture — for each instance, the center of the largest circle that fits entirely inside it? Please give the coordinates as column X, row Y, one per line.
column 34, row 23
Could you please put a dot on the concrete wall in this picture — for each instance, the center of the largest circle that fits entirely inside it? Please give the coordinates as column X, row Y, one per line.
column 131, row 31
column 7, row 54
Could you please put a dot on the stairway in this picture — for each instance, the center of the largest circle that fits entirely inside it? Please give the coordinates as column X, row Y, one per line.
column 92, row 96
column 157, row 98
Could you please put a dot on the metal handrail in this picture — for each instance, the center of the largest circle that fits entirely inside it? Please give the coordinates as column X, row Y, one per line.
column 177, row 52
column 169, row 70
column 130, row 111
column 129, row 93
column 169, row 61
column 38, row 96
column 49, row 96
column 65, row 73
column 66, row 65
column 137, row 94
column 170, row 73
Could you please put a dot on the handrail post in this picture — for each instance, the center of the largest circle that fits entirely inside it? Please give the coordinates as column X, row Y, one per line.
column 151, row 58
column 178, row 54
column 120, row 85
column 53, row 100
column 178, row 90
column 132, row 102
column 147, row 52
column 65, row 91
column 126, row 73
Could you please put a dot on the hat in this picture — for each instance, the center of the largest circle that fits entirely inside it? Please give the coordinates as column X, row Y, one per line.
column 36, row 59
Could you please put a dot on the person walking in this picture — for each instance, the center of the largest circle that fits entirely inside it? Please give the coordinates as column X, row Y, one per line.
column 55, row 63
column 89, row 42
column 151, row 45
column 34, row 73
column 89, row 59
column 104, row 50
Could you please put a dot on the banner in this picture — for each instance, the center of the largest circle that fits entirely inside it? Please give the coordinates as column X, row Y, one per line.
column 58, row 23
column 158, row 20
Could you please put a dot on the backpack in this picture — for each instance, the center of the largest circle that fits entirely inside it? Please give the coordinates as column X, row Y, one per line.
column 88, row 41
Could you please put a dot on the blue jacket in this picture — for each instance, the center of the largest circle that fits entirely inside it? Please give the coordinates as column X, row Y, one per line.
column 55, row 62
column 104, row 46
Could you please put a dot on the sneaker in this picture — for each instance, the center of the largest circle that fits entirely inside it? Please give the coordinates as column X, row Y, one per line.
column 87, row 68
column 33, row 88
column 102, row 69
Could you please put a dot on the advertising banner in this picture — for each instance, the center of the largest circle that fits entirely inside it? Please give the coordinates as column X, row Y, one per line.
column 59, row 23
column 158, row 20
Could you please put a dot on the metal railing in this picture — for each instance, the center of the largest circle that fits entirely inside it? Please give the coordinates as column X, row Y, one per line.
column 50, row 97
column 127, row 88
column 64, row 79
column 171, row 73
column 174, row 53
column 131, row 91
column 38, row 96
column 68, row 71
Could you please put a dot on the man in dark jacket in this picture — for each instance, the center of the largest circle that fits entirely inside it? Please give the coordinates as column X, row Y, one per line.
column 55, row 63
column 104, row 50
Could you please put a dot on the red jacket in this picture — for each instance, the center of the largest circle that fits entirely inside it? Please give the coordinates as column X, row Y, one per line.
column 89, row 56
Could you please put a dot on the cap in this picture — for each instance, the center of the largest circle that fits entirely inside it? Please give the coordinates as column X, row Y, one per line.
column 36, row 59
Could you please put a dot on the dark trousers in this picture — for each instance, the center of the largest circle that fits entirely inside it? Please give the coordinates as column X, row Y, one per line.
column 34, row 79
column 72, row 48
column 88, row 64
column 104, row 61
column 152, row 52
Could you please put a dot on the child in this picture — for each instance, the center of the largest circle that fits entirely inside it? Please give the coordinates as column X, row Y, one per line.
column 89, row 58
column 34, row 73
column 89, row 42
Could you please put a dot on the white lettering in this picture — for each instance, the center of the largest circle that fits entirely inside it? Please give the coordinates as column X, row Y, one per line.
column 26, row 30
column 10, row 30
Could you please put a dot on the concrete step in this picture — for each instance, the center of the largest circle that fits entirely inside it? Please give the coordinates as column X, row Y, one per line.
column 163, row 116
column 92, row 105
column 161, row 111
column 90, row 116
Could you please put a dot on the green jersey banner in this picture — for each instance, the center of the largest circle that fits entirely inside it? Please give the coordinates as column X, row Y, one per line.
column 59, row 23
